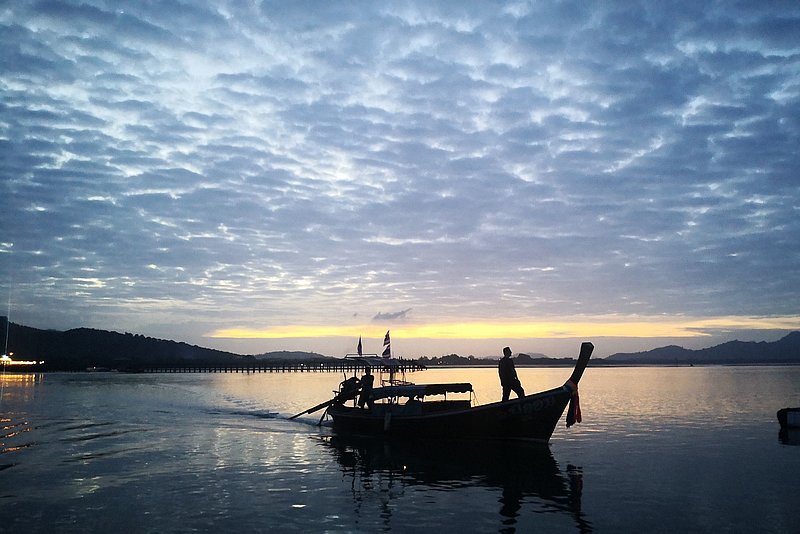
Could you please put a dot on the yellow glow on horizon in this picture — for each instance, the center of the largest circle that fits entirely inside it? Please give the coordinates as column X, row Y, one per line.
column 602, row 326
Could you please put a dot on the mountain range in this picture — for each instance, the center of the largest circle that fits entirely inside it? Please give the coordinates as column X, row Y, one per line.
column 80, row 348
column 785, row 350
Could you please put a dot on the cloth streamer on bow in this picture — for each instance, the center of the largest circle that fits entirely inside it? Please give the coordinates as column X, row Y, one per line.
column 574, row 410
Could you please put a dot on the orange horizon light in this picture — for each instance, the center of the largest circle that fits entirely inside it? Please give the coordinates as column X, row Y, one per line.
column 601, row 326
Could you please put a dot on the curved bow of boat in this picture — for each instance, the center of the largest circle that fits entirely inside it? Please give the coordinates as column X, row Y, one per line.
column 583, row 361
column 574, row 410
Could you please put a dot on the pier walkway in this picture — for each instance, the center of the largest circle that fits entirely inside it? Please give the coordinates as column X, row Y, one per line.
column 278, row 367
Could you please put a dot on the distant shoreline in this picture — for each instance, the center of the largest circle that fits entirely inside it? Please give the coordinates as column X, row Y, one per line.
column 84, row 348
column 603, row 363
column 243, row 370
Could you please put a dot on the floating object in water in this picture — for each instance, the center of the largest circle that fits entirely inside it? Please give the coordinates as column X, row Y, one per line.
column 789, row 417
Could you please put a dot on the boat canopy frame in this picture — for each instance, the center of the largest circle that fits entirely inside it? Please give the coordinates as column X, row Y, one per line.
column 395, row 388
column 374, row 361
column 420, row 390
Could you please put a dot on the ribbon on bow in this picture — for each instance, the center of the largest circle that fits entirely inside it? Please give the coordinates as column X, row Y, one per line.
column 574, row 410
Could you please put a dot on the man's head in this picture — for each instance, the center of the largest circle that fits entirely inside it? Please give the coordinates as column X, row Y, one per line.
column 507, row 352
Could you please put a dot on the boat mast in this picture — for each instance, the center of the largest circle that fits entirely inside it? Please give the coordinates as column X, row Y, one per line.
column 8, row 322
column 5, row 350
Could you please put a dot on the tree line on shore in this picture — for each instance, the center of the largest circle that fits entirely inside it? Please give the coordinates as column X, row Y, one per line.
column 81, row 348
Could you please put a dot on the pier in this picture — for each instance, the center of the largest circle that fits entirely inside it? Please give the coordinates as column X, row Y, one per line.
column 279, row 367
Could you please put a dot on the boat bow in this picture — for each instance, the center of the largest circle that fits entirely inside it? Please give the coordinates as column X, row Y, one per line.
column 574, row 410
column 583, row 360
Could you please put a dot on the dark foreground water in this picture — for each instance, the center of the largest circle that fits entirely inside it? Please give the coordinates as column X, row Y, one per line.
column 660, row 450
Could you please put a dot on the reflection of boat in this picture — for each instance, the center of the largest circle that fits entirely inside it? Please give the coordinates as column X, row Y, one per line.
column 532, row 416
column 789, row 436
column 789, row 417
column 522, row 470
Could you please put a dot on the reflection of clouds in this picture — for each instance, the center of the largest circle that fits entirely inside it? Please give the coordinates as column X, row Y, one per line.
column 425, row 156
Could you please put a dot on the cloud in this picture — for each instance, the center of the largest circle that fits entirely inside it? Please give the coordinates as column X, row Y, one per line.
column 398, row 316
column 249, row 162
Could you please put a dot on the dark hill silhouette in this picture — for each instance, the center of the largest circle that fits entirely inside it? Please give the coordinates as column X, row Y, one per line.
column 291, row 356
column 785, row 350
column 520, row 359
column 80, row 348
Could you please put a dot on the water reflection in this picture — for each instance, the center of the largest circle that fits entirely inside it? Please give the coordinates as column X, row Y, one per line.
column 527, row 474
column 18, row 387
column 789, row 436
column 15, row 388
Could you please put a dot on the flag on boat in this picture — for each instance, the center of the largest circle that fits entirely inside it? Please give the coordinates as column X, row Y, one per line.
column 387, row 346
column 359, row 346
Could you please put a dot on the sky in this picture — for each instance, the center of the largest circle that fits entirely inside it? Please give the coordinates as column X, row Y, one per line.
column 258, row 176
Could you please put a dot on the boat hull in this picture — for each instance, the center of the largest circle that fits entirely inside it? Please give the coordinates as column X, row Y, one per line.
column 789, row 417
column 531, row 417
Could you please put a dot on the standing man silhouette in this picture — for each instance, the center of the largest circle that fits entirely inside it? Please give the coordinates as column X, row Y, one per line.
column 508, row 376
column 366, row 388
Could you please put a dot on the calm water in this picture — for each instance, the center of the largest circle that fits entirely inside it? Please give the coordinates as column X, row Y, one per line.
column 660, row 450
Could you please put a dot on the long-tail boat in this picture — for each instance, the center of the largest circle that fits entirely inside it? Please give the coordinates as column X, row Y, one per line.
column 402, row 409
